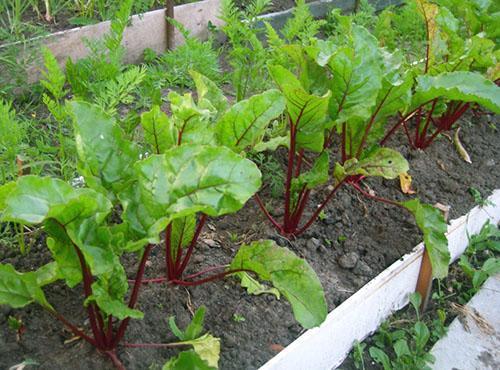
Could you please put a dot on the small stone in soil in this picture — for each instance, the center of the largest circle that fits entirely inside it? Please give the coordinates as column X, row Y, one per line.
column 313, row 243
column 348, row 260
column 211, row 243
column 363, row 269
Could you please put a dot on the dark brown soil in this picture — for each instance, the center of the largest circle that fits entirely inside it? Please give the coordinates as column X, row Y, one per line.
column 368, row 234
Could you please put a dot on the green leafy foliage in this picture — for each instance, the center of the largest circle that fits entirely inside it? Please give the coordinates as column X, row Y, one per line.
column 245, row 123
column 292, row 276
column 247, row 55
column 174, row 66
column 458, row 86
column 206, row 348
column 431, row 222
column 12, row 135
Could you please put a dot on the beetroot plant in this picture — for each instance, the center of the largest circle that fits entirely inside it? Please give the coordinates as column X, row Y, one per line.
column 337, row 102
column 459, row 71
column 126, row 207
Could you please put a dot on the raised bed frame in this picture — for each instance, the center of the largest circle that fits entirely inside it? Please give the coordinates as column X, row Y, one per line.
column 327, row 346
column 151, row 30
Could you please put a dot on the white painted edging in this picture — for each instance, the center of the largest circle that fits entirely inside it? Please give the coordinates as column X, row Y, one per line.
column 327, row 346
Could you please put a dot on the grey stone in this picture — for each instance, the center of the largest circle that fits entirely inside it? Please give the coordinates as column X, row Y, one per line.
column 313, row 243
column 348, row 260
column 363, row 269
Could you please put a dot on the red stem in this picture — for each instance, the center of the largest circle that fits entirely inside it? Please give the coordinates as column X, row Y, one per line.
column 289, row 176
column 266, row 213
column 134, row 296
column 370, row 124
column 374, row 197
column 114, row 358
column 169, row 264
column 427, row 123
column 296, row 217
column 87, row 289
column 299, row 163
column 208, row 279
column 319, row 209
column 189, row 252
column 77, row 332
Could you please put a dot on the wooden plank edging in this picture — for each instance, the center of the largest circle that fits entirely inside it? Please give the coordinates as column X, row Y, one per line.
column 327, row 346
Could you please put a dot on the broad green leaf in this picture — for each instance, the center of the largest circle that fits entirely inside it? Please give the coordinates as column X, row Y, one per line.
column 192, row 122
column 356, row 77
column 20, row 289
column 380, row 357
column 318, row 174
column 186, row 180
column 459, row 86
column 35, row 199
column 244, row 124
column 158, row 130
column 207, row 347
column 209, row 95
column 64, row 253
column 187, row 360
column 383, row 162
column 47, row 274
column 5, row 191
column 106, row 157
column 432, row 224
column 401, row 348
column 291, row 275
column 109, row 293
column 193, row 330
column 308, row 113
column 254, row 287
column 491, row 266
column 95, row 244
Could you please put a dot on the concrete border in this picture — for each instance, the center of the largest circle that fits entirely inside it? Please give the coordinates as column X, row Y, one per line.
column 327, row 346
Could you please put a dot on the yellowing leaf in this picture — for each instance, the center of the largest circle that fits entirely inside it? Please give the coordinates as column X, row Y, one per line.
column 460, row 148
column 207, row 347
column 405, row 183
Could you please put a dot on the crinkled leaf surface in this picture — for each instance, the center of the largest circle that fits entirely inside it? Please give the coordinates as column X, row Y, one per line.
column 244, row 124
column 209, row 95
column 186, row 180
column 459, row 86
column 159, row 132
column 432, row 224
column 187, row 360
column 106, row 157
column 207, row 347
column 356, row 77
column 192, row 122
column 254, row 287
column 20, row 289
column 308, row 113
column 382, row 162
column 291, row 275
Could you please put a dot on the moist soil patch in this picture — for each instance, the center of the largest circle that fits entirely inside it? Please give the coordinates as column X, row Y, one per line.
column 356, row 240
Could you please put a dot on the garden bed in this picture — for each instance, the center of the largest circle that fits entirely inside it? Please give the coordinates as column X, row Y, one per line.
column 354, row 242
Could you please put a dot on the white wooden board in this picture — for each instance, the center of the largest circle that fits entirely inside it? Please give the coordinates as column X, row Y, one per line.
column 326, row 347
